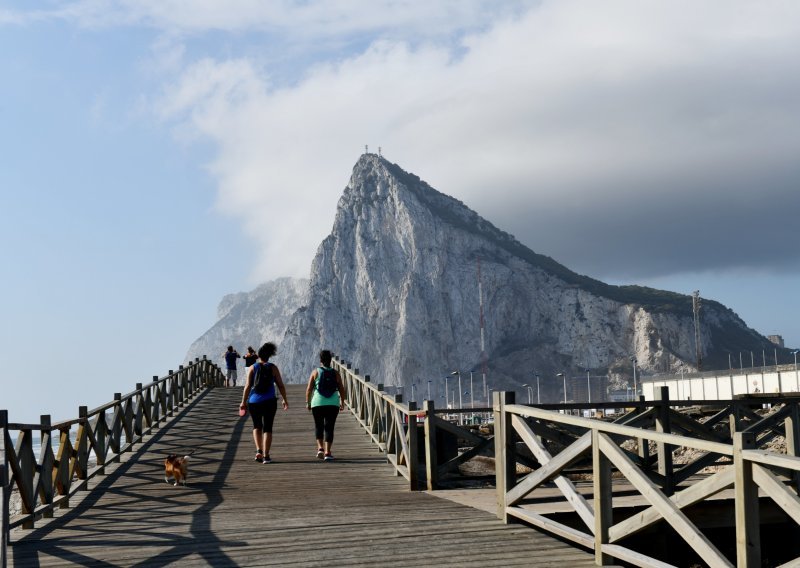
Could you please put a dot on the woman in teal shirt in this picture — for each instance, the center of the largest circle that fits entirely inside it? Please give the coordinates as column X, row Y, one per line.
column 325, row 397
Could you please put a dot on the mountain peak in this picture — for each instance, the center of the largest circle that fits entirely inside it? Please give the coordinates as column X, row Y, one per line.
column 411, row 284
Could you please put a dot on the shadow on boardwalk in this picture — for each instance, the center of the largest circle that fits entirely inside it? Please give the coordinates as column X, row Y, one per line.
column 296, row 511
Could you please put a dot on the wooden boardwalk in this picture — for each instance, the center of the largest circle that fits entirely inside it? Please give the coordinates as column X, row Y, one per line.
column 297, row 511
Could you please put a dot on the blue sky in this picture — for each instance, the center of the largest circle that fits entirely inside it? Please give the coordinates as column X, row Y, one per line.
column 143, row 144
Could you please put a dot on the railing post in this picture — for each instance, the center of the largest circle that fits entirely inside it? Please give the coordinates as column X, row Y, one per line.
column 431, row 465
column 154, row 410
column 137, row 420
column 27, row 466
column 5, row 490
column 664, row 451
column 733, row 418
column 172, row 393
column 504, row 451
column 44, row 477
column 413, row 447
column 642, row 443
column 115, row 439
column 748, row 541
column 602, row 495
column 792, row 434
column 179, row 387
column 101, row 439
column 82, row 443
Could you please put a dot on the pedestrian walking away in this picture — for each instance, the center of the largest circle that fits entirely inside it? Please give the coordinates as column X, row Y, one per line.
column 325, row 396
column 230, row 364
column 259, row 398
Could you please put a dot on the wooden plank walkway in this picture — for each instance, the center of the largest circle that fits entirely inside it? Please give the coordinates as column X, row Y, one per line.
column 297, row 511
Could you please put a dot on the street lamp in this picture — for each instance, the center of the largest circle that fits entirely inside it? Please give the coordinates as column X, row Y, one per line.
column 471, row 392
column 429, row 389
column 564, row 376
column 588, row 386
column 446, row 396
column 538, row 398
column 635, row 387
column 413, row 386
column 460, row 400
column 529, row 392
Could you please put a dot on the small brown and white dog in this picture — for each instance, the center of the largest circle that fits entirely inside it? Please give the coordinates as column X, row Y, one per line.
column 175, row 467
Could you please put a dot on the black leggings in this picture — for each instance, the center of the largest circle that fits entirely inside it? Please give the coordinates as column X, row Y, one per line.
column 324, row 421
column 263, row 414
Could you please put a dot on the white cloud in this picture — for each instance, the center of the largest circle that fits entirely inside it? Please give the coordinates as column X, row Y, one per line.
column 573, row 119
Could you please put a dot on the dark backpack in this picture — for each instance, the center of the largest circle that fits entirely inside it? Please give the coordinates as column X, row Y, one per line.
column 326, row 382
column 263, row 381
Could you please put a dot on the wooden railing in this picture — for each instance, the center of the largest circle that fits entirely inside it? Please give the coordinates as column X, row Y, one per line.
column 739, row 466
column 385, row 419
column 64, row 464
column 395, row 428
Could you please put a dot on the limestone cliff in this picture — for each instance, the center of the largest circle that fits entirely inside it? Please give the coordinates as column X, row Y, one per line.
column 251, row 318
column 395, row 290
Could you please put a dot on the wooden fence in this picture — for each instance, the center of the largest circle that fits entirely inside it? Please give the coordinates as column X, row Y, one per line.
column 739, row 465
column 410, row 436
column 64, row 464
column 730, row 440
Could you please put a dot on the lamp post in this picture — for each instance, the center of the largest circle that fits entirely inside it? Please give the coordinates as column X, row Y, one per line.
column 446, row 396
column 429, row 389
column 529, row 392
column 457, row 373
column 635, row 386
column 460, row 400
column 538, row 398
column 471, row 392
column 588, row 387
column 413, row 386
column 564, row 377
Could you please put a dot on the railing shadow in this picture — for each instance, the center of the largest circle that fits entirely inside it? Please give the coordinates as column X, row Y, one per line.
column 138, row 497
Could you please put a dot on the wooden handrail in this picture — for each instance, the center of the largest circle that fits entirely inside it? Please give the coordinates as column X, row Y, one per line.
column 750, row 470
column 385, row 418
column 107, row 431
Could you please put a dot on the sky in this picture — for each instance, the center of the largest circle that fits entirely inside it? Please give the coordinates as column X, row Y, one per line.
column 156, row 155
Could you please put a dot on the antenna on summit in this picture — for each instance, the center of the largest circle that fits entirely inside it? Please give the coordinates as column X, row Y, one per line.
column 379, row 151
column 366, row 148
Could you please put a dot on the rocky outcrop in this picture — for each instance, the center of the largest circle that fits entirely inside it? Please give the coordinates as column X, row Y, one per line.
column 396, row 289
column 251, row 318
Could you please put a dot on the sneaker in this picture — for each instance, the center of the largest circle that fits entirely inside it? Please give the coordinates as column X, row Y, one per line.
column 328, row 457
column 259, row 456
column 320, row 453
column 267, row 459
